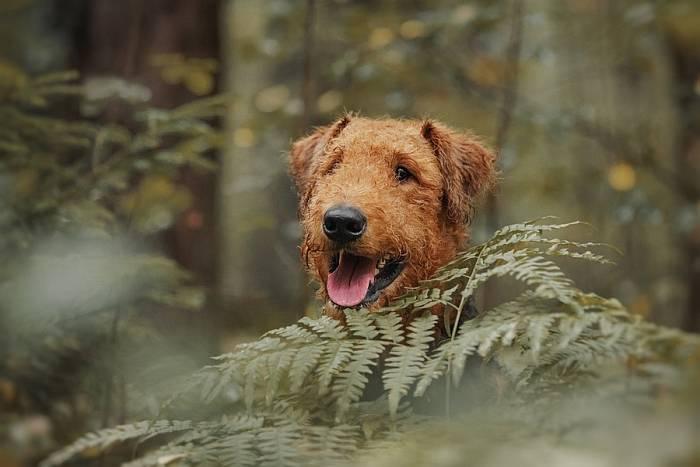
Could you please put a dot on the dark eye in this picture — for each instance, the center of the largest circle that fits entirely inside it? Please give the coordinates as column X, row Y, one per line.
column 402, row 174
column 331, row 168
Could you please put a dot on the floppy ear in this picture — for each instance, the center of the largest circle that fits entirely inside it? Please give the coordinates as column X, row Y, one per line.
column 307, row 152
column 468, row 168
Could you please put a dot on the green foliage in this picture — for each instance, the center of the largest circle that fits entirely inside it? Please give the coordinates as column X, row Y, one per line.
column 70, row 172
column 310, row 388
column 87, row 174
column 87, row 179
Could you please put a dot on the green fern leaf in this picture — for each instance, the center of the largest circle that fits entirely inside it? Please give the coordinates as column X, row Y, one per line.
column 279, row 446
column 361, row 324
column 238, row 449
column 325, row 327
column 351, row 381
column 305, row 360
column 390, row 327
column 336, row 354
column 278, row 366
column 330, row 445
column 433, row 369
column 102, row 440
column 403, row 366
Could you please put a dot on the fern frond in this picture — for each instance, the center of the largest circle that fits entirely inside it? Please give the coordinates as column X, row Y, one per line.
column 304, row 385
column 99, row 441
column 305, row 360
column 227, row 439
column 278, row 366
column 325, row 446
column 293, row 333
column 352, row 379
column 336, row 354
column 361, row 324
column 238, row 449
column 279, row 446
column 326, row 327
column 390, row 327
column 254, row 373
column 403, row 366
column 433, row 369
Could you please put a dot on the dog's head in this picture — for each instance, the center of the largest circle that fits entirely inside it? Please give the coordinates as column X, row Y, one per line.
column 384, row 203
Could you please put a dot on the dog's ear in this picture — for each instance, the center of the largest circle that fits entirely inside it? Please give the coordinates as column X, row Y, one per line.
column 307, row 152
column 468, row 168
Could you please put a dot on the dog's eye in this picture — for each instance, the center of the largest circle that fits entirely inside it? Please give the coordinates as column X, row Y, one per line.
column 331, row 168
column 402, row 174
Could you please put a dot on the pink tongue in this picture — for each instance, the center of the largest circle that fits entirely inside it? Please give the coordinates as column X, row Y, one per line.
column 348, row 284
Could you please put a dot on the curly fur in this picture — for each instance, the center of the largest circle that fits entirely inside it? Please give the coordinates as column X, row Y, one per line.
column 424, row 219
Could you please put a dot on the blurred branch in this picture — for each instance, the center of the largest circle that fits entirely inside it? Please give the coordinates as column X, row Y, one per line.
column 641, row 154
column 619, row 145
column 510, row 90
column 134, row 38
column 115, row 381
column 508, row 103
column 308, row 58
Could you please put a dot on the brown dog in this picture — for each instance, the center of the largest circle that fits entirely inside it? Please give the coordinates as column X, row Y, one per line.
column 384, row 204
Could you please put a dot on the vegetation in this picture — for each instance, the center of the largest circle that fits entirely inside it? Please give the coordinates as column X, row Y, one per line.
column 81, row 194
column 302, row 395
column 127, row 261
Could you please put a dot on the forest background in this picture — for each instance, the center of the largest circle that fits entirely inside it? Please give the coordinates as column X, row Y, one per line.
column 189, row 221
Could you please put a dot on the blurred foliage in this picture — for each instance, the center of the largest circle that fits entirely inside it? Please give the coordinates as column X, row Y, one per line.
column 603, row 129
column 594, row 131
column 80, row 197
column 303, row 395
column 196, row 74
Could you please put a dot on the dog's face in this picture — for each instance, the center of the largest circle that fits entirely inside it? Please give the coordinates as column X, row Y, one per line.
column 383, row 204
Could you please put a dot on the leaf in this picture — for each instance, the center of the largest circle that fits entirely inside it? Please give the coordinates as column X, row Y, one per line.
column 279, row 445
column 403, row 366
column 335, row 355
column 325, row 327
column 548, row 339
column 390, row 328
column 351, row 382
column 306, row 358
column 537, row 331
column 103, row 439
column 361, row 324
column 432, row 370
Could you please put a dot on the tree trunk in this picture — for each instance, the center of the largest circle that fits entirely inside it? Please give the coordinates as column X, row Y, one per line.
column 122, row 39
column 261, row 281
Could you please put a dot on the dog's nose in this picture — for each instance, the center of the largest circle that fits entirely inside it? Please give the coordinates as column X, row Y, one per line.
column 343, row 223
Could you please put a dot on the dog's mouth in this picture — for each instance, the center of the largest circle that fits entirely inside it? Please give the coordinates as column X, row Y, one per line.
column 359, row 280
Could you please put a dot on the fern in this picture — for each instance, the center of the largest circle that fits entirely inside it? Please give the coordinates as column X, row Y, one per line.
column 279, row 445
column 74, row 212
column 350, row 383
column 405, row 361
column 106, row 438
column 304, row 385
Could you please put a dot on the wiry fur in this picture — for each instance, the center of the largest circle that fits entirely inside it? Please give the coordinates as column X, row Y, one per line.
column 424, row 219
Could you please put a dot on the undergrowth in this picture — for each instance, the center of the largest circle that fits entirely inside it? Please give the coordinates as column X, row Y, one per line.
column 321, row 393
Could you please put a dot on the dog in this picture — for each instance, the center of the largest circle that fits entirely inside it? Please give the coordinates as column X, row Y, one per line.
column 384, row 203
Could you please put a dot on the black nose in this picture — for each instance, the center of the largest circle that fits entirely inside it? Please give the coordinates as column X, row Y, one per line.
column 343, row 223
